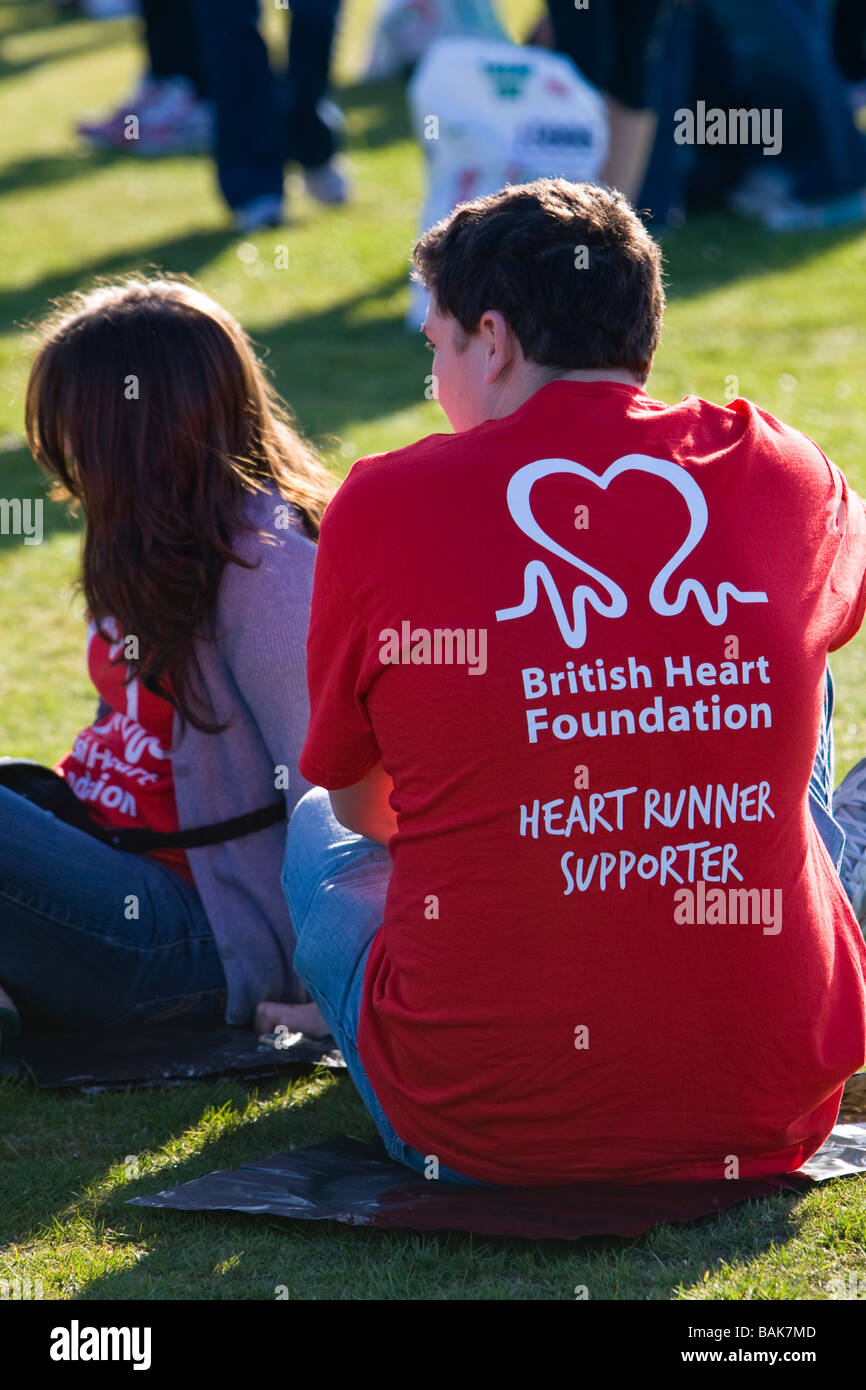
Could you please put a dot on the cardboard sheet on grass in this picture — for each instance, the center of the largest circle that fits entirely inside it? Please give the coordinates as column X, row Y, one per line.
column 157, row 1054
column 356, row 1182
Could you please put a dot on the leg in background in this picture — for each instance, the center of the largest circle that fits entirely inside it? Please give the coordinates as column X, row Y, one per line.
column 310, row 139
column 849, row 39
column 172, row 41
column 782, row 50
column 249, row 129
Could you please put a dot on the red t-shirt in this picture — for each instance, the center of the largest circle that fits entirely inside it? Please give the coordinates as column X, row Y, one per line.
column 120, row 767
column 614, row 944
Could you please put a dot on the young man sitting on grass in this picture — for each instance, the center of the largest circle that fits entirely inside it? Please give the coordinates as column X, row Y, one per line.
column 568, row 664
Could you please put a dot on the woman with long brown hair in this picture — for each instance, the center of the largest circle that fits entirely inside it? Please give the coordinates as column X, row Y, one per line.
column 141, row 877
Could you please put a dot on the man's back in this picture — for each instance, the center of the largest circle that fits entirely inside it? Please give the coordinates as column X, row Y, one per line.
column 588, row 642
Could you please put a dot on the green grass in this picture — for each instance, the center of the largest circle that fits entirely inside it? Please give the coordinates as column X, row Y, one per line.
column 785, row 316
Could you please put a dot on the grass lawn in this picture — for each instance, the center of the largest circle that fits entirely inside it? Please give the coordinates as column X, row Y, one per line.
column 785, row 316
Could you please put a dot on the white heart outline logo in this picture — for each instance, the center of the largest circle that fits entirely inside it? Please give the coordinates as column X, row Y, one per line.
column 574, row 633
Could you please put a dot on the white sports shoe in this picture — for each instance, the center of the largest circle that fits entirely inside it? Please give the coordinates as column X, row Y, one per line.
column 170, row 120
column 109, row 130
column 760, row 191
column 266, row 211
column 849, row 809
column 328, row 183
column 178, row 122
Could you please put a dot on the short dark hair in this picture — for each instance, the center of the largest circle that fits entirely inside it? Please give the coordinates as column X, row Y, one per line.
column 570, row 266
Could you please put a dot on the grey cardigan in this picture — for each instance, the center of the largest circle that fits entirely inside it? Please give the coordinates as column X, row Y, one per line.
column 255, row 673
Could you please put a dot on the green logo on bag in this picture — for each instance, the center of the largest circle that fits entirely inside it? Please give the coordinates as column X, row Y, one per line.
column 508, row 79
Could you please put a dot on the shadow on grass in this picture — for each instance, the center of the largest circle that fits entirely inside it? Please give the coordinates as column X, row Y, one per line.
column 400, row 1263
column 383, row 121
column 365, row 363
column 23, row 16
column 376, row 112
column 68, row 1141
column 43, row 170
column 187, row 254
column 57, row 1146
column 21, row 479
column 65, row 1145
column 714, row 250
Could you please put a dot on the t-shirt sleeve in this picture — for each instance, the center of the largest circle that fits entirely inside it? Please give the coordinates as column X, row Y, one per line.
column 341, row 746
column 846, row 518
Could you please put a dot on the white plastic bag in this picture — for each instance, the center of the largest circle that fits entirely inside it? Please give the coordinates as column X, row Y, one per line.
column 488, row 114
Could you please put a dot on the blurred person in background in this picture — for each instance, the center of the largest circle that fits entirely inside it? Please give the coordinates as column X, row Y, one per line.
column 209, row 85
column 804, row 59
column 775, row 58
column 263, row 121
column 779, row 57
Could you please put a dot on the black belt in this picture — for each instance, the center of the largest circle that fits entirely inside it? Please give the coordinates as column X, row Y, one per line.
column 139, row 840
column 47, row 789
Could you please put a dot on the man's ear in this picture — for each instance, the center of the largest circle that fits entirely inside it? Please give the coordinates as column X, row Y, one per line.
column 500, row 345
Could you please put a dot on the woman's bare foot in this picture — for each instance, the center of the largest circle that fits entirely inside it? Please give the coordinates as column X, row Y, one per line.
column 298, row 1018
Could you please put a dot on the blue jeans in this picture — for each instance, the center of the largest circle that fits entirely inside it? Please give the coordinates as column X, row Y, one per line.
column 821, row 784
column 776, row 54
column 335, row 884
column 91, row 935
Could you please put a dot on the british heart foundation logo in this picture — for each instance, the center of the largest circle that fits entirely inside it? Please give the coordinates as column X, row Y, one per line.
column 609, row 599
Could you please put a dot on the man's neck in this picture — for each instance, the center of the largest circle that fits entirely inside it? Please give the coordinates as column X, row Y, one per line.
column 518, row 389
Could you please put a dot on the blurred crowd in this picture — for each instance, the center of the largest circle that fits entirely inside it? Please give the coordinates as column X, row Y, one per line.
column 209, row 84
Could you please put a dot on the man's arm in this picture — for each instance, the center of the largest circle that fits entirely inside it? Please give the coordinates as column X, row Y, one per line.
column 365, row 807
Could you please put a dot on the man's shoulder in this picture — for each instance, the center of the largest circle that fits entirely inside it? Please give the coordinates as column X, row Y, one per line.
column 741, row 410
column 771, row 440
column 380, row 469
column 387, row 480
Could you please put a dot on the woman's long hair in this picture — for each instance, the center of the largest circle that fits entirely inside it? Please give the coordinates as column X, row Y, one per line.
column 147, row 406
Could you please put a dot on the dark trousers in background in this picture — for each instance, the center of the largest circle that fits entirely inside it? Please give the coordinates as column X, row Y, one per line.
column 172, row 41
column 781, row 55
column 735, row 53
column 849, row 39
column 263, row 121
